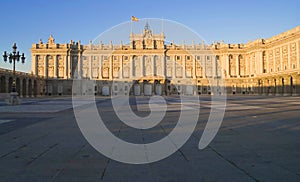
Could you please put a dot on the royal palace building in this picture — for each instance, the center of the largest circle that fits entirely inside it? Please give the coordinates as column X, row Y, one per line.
column 148, row 65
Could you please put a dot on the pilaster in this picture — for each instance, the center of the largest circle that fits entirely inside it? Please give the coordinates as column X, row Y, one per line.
column 237, row 66
column 79, row 66
column 45, row 66
column 298, row 56
column 55, row 66
column 90, row 67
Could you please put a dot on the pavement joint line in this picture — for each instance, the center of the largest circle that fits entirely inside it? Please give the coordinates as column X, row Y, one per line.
column 23, row 146
column 42, row 153
column 61, row 170
column 233, row 164
column 145, row 147
column 179, row 150
column 107, row 163
column 104, row 170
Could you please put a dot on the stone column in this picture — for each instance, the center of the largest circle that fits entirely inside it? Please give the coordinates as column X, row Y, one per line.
column 111, row 67
column 251, row 65
column 184, row 67
column 34, row 64
column 45, row 66
column 100, row 66
column 296, row 84
column 297, row 55
column 227, row 66
column 27, row 88
column 142, row 66
column 194, row 67
column 121, row 68
column 153, row 65
column 274, row 61
column 271, row 85
column 256, row 65
column 70, row 67
column 281, row 65
column 79, row 66
column 266, row 85
column 66, row 76
column 285, row 86
column 267, row 62
column 246, row 64
column 289, row 58
column 163, row 66
column 260, row 62
column 90, row 67
column 204, row 65
column 141, row 74
column 21, row 87
column 174, row 68
column 37, row 65
column 55, row 66
column 280, row 86
column 130, row 66
column 214, row 69
column 237, row 66
column 276, row 85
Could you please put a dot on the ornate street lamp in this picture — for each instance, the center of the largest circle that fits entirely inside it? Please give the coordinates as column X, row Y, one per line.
column 13, row 57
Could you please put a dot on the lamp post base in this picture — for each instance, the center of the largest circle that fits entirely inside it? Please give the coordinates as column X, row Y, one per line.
column 14, row 99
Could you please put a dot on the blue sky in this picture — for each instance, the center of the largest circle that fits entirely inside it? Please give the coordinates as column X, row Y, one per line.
column 25, row 22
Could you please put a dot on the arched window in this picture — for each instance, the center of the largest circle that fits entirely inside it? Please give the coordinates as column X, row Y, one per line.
column 231, row 66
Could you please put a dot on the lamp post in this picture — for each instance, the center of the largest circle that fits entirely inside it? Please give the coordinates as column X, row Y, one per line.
column 13, row 57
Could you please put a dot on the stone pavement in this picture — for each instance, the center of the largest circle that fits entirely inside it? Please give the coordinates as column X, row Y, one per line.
column 258, row 141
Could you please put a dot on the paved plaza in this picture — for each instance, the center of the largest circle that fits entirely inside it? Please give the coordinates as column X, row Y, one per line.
column 258, row 141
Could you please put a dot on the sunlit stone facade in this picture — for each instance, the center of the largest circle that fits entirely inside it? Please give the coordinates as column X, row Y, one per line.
column 264, row 66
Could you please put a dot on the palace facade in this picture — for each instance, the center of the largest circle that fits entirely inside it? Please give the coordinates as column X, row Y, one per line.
column 148, row 65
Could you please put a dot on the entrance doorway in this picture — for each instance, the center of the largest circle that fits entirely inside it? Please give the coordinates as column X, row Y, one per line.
column 147, row 89
column 158, row 89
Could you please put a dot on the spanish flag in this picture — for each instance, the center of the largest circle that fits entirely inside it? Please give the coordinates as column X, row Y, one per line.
column 133, row 18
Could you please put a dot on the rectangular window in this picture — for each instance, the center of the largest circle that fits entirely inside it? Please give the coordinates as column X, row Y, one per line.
column 178, row 57
column 198, row 57
column 188, row 57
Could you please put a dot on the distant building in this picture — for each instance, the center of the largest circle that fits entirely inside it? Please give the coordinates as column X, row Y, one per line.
column 27, row 85
column 264, row 66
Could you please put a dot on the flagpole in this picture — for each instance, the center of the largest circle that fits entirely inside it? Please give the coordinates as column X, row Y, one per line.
column 162, row 24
